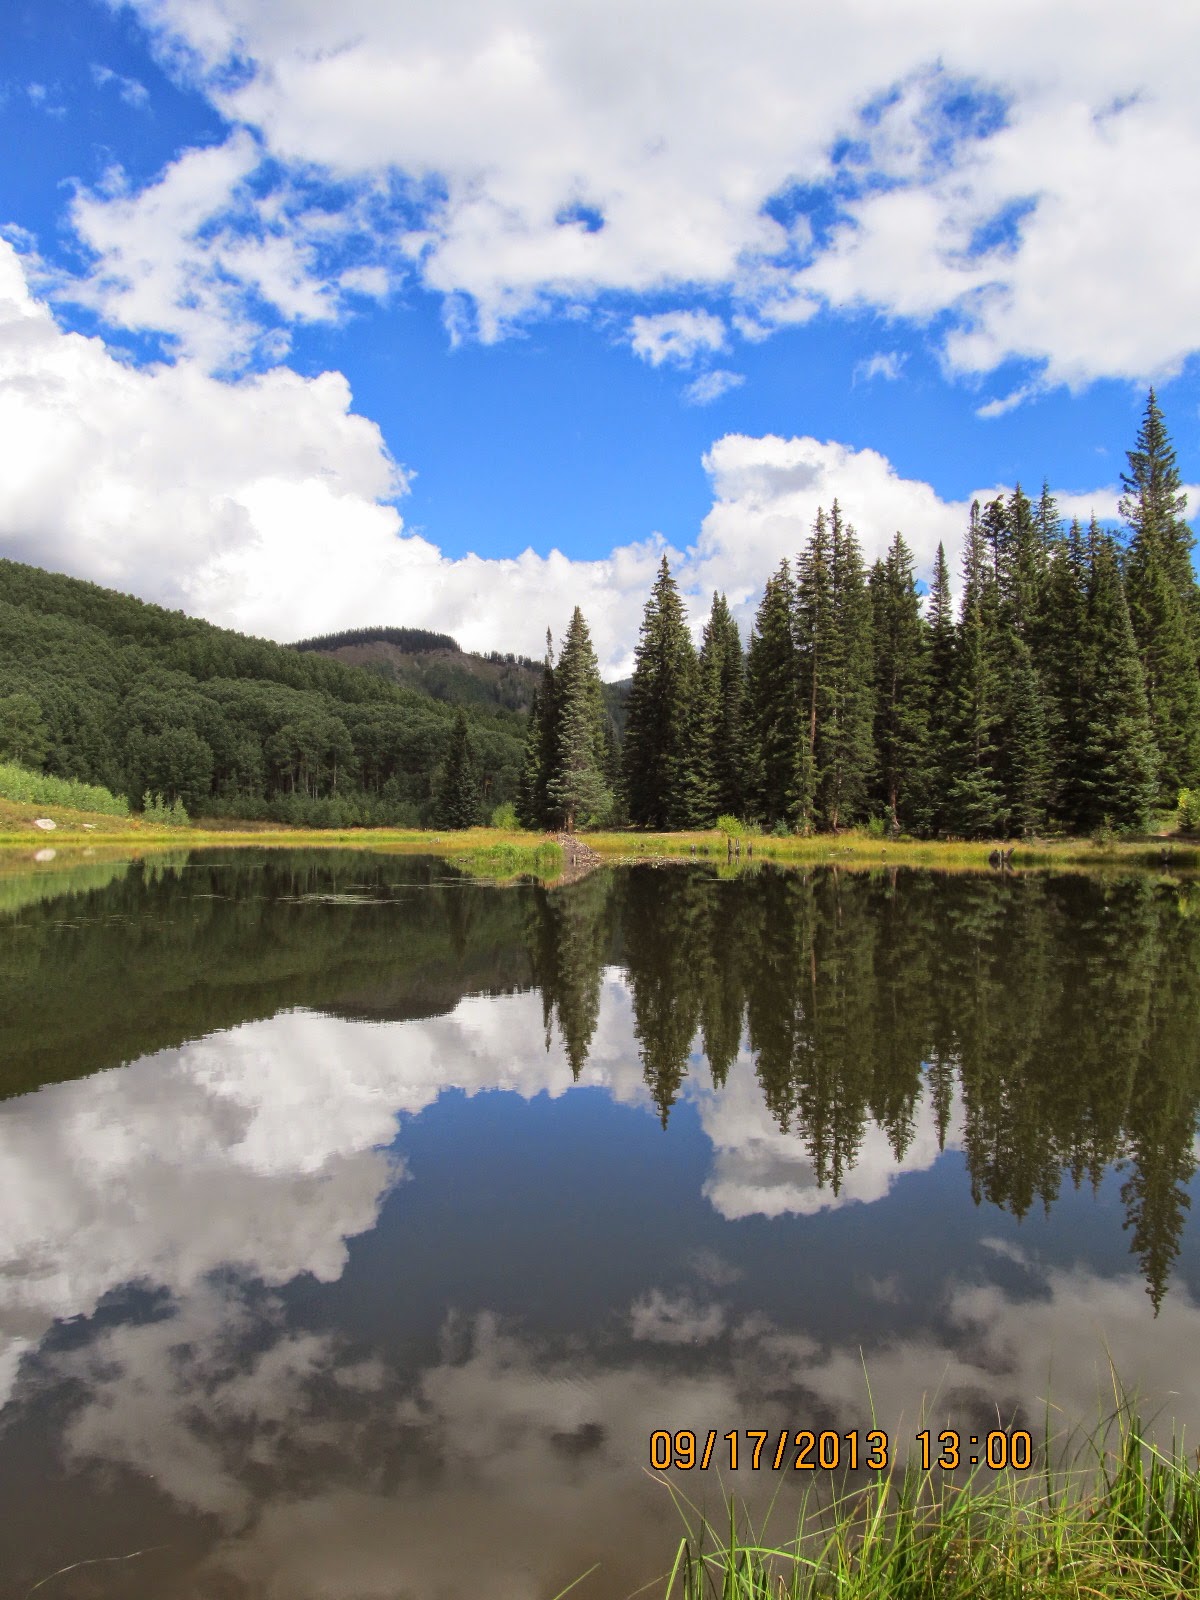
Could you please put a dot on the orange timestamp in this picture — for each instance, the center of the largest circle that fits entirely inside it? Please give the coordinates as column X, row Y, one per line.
column 804, row 1450
column 807, row 1450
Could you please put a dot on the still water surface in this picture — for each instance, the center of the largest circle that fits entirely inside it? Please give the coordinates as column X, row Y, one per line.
column 359, row 1222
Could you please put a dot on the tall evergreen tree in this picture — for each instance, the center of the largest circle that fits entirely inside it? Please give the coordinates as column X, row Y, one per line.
column 576, row 788
column 975, row 799
column 660, row 757
column 1025, row 733
column 943, row 671
column 721, row 698
column 901, row 689
column 780, row 759
column 815, row 624
column 845, row 698
column 1164, row 605
column 1117, row 761
column 541, row 743
column 457, row 799
column 1154, row 505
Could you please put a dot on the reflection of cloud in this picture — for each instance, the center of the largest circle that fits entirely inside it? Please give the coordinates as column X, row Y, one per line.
column 675, row 1319
column 513, row 1456
column 261, row 1148
column 760, row 1170
column 194, row 1401
column 1067, row 1340
column 257, row 1148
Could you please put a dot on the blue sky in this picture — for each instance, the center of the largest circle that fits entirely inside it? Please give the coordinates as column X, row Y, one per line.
column 456, row 315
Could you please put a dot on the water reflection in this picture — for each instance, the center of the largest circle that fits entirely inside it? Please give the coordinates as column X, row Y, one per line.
column 384, row 1296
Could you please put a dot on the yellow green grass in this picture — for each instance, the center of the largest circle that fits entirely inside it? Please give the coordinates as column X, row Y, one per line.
column 1122, row 1523
column 500, row 852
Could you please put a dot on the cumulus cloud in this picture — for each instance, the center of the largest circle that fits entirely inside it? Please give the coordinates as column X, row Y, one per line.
column 543, row 156
column 197, row 255
column 676, row 336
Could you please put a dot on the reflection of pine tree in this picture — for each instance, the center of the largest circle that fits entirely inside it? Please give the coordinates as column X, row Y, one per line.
column 572, row 936
column 723, row 1000
column 665, row 928
column 1064, row 1014
column 832, row 1099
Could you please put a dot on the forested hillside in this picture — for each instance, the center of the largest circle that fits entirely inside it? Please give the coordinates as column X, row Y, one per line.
column 99, row 686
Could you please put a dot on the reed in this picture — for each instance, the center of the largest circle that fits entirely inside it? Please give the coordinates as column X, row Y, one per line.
column 1121, row 1521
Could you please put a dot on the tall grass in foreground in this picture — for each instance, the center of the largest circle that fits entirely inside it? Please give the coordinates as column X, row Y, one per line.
column 1123, row 1527
column 35, row 788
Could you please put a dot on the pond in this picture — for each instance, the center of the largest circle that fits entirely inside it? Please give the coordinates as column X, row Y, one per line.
column 360, row 1223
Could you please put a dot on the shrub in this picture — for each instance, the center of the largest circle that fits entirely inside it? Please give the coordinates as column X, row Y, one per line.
column 505, row 816
column 35, row 788
column 730, row 826
column 1189, row 810
column 160, row 813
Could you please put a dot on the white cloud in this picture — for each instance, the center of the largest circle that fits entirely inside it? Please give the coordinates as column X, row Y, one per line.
column 194, row 255
column 265, row 505
column 131, row 90
column 767, row 491
column 1001, row 406
column 886, row 364
column 544, row 155
column 710, row 386
column 676, row 336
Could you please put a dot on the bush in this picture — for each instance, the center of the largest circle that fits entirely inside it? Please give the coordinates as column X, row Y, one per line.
column 161, row 814
column 35, row 788
column 1189, row 811
column 505, row 816
column 730, row 826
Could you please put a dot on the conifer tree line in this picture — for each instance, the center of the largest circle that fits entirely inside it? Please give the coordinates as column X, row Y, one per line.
column 1063, row 691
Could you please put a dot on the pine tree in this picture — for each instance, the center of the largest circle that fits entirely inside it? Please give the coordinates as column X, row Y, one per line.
column 815, row 640
column 845, row 698
column 1154, row 505
column 1118, row 761
column 901, row 689
column 1026, row 740
column 541, row 743
column 721, row 697
column 1164, row 603
column 660, row 757
column 975, row 799
column 943, row 671
column 576, row 789
column 456, row 803
column 780, row 761
column 1022, row 570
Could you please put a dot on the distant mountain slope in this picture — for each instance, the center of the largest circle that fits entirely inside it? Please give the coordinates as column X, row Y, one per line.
column 115, row 691
column 435, row 664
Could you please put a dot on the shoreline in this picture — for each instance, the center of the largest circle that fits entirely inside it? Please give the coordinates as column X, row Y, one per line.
column 518, row 851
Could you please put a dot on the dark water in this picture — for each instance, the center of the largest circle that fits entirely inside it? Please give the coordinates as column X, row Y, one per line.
column 359, row 1223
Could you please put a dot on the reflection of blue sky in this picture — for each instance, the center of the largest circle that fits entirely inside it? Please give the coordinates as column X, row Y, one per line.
column 366, row 1255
